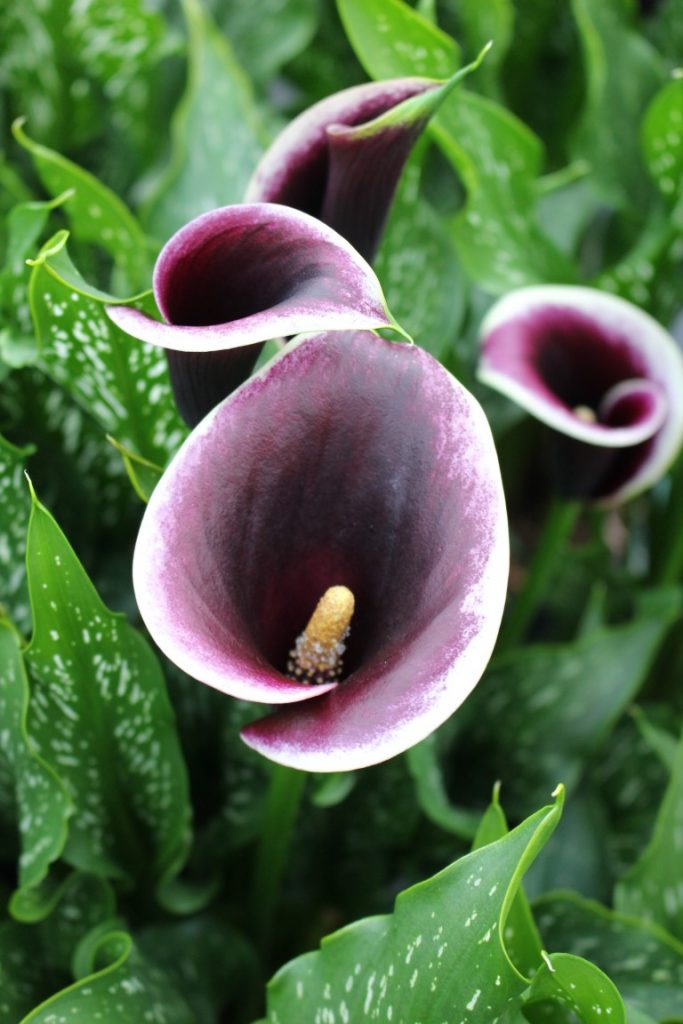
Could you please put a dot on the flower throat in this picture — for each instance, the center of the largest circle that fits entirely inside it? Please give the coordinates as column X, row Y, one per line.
column 317, row 655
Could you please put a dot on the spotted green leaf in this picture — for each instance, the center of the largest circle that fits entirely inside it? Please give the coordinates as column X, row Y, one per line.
column 14, row 513
column 522, row 940
column 216, row 963
column 36, row 954
column 387, row 34
column 617, row 93
column 568, row 983
column 120, row 382
column 556, row 702
column 128, row 988
column 42, row 801
column 416, row 238
column 643, row 961
column 496, row 156
column 96, row 214
column 269, row 34
column 653, row 888
column 25, row 223
column 440, row 954
column 99, row 715
column 477, row 23
column 217, row 138
column 662, row 140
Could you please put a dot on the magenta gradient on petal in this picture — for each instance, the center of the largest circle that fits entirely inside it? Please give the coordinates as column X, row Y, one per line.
column 562, row 352
column 349, row 460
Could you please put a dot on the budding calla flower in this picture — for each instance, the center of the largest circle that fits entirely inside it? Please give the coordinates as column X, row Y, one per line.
column 341, row 159
column 602, row 373
column 332, row 540
column 238, row 276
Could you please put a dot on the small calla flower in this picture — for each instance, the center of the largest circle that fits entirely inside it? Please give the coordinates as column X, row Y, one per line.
column 602, row 373
column 332, row 537
column 341, row 159
column 238, row 276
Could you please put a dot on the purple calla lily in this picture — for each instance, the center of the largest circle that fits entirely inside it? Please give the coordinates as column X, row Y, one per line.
column 349, row 467
column 341, row 159
column 602, row 373
column 238, row 276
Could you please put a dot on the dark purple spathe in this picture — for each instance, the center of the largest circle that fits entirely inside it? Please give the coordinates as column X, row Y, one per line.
column 348, row 460
column 341, row 160
column 243, row 274
column 599, row 371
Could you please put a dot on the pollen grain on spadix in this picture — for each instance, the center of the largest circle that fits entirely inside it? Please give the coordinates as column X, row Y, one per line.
column 317, row 655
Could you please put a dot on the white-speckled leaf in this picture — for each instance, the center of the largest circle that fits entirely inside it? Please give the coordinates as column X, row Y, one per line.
column 643, row 961
column 43, row 804
column 127, row 989
column 497, row 157
column 121, row 382
column 35, row 957
column 555, row 703
column 653, row 888
column 96, row 214
column 439, row 956
column 25, row 223
column 14, row 512
column 388, row 34
column 663, row 140
column 429, row 305
column 567, row 984
column 217, row 138
column 100, row 716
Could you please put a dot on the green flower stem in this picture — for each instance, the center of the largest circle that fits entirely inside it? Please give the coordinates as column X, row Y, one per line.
column 558, row 527
column 279, row 817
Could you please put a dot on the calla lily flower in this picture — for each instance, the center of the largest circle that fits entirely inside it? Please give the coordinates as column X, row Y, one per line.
column 341, row 159
column 332, row 540
column 238, row 276
column 601, row 372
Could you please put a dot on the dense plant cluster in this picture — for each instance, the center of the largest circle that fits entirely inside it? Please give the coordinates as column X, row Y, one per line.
column 302, row 299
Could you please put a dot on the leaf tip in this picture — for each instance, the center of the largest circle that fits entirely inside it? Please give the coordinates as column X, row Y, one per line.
column 31, row 489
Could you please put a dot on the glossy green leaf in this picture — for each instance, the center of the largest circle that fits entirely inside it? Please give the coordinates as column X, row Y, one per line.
column 440, row 952
column 216, row 961
column 123, row 987
column 575, row 986
column 25, row 223
column 43, row 804
column 522, row 940
column 217, row 137
column 662, row 140
column 268, row 34
column 653, row 888
column 36, row 957
column 96, row 214
column 617, row 92
column 643, row 961
column 388, row 34
column 122, row 383
column 476, row 23
column 555, row 703
column 14, row 512
column 415, row 238
column 100, row 716
column 21, row 985
column 659, row 740
column 430, row 790
column 143, row 474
